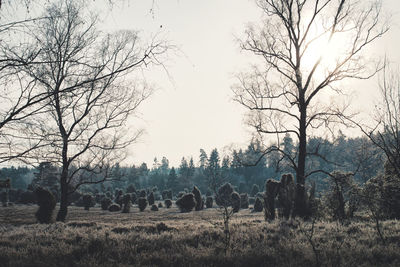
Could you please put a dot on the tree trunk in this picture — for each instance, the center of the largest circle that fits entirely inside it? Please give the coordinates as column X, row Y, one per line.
column 62, row 213
column 300, row 206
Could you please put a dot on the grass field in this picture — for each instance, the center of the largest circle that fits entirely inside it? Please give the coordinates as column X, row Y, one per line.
column 170, row 238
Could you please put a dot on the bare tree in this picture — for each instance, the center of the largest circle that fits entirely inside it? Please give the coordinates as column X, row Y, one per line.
column 89, row 79
column 285, row 93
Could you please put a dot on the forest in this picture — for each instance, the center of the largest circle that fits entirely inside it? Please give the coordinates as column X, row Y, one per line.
column 317, row 183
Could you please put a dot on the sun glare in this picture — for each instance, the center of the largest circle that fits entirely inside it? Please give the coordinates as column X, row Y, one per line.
column 328, row 49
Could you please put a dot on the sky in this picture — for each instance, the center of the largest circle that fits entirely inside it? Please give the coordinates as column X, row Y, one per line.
column 192, row 107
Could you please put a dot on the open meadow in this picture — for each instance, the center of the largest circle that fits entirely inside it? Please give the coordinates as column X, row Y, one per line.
column 170, row 238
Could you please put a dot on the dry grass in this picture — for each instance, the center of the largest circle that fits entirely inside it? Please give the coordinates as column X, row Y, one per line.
column 170, row 238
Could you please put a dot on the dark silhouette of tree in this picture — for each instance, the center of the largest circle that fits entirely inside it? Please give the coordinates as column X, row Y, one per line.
column 284, row 94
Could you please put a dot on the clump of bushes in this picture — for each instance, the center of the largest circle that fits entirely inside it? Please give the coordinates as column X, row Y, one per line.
column 168, row 203
column 127, row 203
column 105, row 203
column 186, row 203
column 197, row 196
column 114, row 207
column 142, row 202
column 150, row 198
column 47, row 203
column 87, row 201
column 209, row 202
column 235, row 200
column 244, row 201
column 258, row 205
column 154, row 207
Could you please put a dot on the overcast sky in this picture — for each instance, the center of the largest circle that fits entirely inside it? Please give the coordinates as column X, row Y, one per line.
column 192, row 108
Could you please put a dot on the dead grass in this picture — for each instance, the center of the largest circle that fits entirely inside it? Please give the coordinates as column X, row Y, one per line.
column 170, row 238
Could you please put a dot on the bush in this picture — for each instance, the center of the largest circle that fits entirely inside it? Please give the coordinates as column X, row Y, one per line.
column 142, row 202
column 131, row 189
column 114, row 207
column 134, row 198
column 150, row 198
column 88, row 201
column 105, row 203
column 235, row 199
column 47, row 203
column 186, row 203
column 27, row 197
column 118, row 198
column 258, row 205
column 271, row 191
column 4, row 198
column 167, row 194
column 154, row 207
column 254, row 190
column 286, row 195
column 209, row 202
column 160, row 205
column 126, row 201
column 197, row 197
column 168, row 203
column 142, row 193
column 252, row 200
column 244, row 201
column 223, row 197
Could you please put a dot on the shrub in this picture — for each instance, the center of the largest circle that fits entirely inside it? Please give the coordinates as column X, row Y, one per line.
column 168, row 203
column 160, row 205
column 252, row 200
column 118, row 197
column 131, row 189
column 4, row 198
column 142, row 202
column 114, row 207
column 271, row 191
column 186, row 203
column 197, row 197
column 286, row 195
column 27, row 197
column 180, row 194
column 223, row 197
column 126, row 201
column 150, row 198
column 235, row 199
column 142, row 193
column 244, row 201
column 258, row 205
column 209, row 202
column 88, row 201
column 134, row 198
column 254, row 190
column 47, row 203
column 105, row 203
column 154, row 207
column 167, row 194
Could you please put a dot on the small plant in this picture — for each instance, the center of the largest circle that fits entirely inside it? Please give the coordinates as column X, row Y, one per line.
column 244, row 201
column 105, row 203
column 154, row 207
column 114, row 207
column 199, row 201
column 142, row 202
column 127, row 203
column 160, row 205
column 258, row 205
column 150, row 198
column 88, row 201
column 209, row 202
column 168, row 203
column 235, row 200
column 186, row 203
column 47, row 203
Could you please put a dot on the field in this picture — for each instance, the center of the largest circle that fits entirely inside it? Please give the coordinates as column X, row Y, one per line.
column 170, row 238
